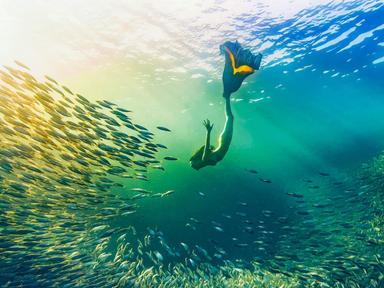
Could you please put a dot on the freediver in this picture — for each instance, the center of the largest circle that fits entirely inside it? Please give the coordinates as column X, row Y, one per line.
column 239, row 64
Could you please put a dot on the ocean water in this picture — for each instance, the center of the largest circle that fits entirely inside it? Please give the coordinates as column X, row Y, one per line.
column 309, row 121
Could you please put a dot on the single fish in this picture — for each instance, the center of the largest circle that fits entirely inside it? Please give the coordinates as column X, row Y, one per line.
column 169, row 158
column 162, row 128
column 265, row 180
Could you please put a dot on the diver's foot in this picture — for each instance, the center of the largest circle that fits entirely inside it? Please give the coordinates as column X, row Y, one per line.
column 239, row 63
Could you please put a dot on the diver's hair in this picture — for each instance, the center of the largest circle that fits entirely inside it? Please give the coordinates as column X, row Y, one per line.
column 198, row 155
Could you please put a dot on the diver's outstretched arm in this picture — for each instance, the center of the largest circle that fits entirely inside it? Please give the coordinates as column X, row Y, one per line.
column 207, row 124
column 225, row 136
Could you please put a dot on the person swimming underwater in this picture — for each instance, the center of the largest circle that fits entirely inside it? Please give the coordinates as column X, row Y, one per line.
column 239, row 64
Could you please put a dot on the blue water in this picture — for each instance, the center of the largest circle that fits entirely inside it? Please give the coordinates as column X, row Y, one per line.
column 310, row 121
column 322, row 111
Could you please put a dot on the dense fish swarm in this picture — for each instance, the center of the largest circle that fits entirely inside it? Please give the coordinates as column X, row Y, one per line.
column 61, row 156
column 62, row 161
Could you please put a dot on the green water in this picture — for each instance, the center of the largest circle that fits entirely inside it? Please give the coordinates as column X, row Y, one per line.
column 297, row 200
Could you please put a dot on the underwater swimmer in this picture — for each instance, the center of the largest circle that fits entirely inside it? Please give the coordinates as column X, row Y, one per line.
column 239, row 64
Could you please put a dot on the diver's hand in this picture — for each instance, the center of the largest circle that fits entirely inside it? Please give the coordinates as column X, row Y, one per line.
column 207, row 124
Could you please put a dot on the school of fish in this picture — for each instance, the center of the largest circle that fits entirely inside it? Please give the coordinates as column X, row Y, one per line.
column 64, row 167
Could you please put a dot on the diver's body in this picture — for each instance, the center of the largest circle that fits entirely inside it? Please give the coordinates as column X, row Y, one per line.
column 239, row 64
column 214, row 156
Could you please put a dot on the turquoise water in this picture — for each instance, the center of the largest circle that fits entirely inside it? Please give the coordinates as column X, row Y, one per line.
column 309, row 121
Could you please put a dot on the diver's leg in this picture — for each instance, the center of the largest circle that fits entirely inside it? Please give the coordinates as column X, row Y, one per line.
column 225, row 136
